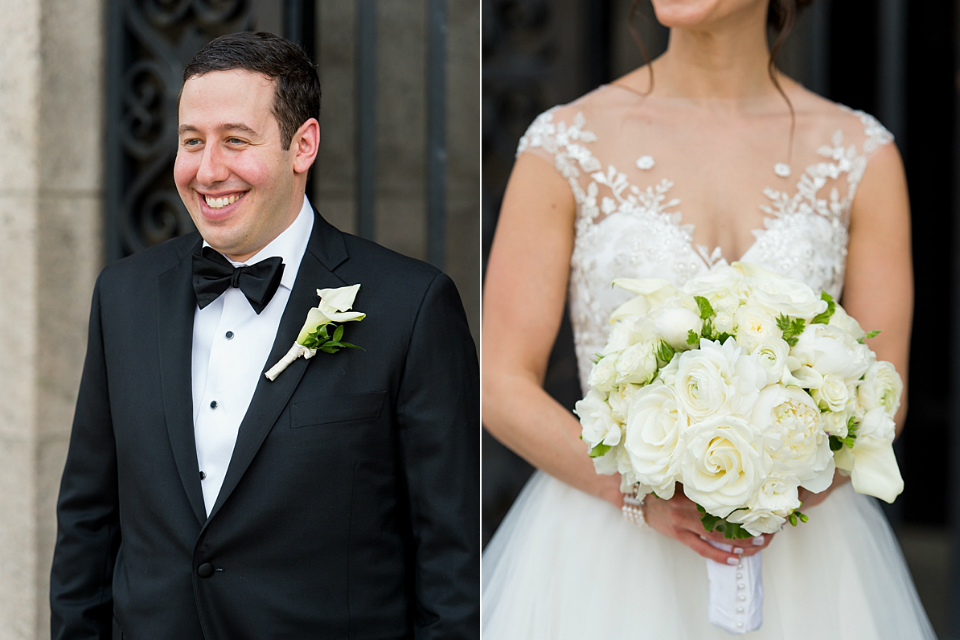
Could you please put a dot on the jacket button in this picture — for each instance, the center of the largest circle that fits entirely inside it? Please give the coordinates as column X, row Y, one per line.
column 205, row 570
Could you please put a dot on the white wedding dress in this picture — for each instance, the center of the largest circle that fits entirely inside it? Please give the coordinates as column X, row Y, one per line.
column 565, row 565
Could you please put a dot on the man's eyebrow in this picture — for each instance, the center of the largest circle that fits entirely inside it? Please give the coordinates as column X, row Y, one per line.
column 228, row 126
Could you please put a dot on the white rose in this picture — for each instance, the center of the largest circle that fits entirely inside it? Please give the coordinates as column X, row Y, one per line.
column 619, row 400
column 718, row 379
column 832, row 394
column 654, row 438
column 776, row 499
column 603, row 376
column 597, row 421
column 785, row 296
column 794, row 436
column 835, row 422
column 881, row 387
column 772, row 354
column 628, row 332
column 637, row 364
column 722, row 278
column 674, row 325
column 842, row 320
column 755, row 325
column 872, row 464
column 830, row 350
column 722, row 466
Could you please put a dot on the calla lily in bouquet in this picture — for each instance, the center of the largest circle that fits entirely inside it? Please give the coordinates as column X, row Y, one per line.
column 742, row 386
column 321, row 331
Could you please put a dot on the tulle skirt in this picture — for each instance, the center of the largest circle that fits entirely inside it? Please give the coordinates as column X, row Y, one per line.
column 565, row 565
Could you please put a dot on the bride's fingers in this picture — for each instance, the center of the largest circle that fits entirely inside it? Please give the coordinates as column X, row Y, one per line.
column 706, row 549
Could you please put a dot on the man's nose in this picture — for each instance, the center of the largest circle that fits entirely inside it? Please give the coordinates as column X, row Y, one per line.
column 212, row 168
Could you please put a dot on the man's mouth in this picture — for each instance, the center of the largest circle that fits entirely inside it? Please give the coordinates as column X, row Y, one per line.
column 223, row 201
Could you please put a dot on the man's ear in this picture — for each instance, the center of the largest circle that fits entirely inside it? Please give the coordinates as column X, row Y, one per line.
column 305, row 144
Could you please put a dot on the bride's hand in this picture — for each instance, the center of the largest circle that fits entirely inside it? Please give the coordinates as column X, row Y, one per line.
column 679, row 519
column 810, row 499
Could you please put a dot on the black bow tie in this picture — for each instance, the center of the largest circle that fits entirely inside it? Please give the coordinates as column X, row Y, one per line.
column 212, row 274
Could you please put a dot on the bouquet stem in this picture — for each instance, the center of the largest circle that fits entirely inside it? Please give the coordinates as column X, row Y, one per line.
column 736, row 593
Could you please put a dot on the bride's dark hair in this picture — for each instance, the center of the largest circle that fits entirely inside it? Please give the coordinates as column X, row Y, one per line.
column 781, row 17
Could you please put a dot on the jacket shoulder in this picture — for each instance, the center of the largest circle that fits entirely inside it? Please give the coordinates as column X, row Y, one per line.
column 150, row 262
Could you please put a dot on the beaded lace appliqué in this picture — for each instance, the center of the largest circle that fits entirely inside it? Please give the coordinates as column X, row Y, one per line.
column 634, row 232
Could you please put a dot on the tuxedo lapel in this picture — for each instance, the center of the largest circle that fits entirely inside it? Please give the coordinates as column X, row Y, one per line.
column 324, row 252
column 176, row 303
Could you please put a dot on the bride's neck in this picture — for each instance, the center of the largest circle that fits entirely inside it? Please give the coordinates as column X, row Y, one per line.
column 725, row 62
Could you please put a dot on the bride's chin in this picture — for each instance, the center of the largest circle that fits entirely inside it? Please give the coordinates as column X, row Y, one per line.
column 693, row 14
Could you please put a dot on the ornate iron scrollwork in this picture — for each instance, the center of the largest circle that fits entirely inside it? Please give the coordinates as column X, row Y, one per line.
column 155, row 41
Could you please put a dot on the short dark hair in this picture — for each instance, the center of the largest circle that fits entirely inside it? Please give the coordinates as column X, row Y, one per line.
column 294, row 76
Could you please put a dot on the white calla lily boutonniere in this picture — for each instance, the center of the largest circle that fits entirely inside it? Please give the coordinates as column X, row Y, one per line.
column 323, row 330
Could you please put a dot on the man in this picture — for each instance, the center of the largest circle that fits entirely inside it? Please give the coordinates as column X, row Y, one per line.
column 201, row 500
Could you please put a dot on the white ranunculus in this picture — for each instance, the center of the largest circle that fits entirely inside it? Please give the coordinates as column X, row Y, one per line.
column 881, row 387
column 755, row 324
column 637, row 364
column 786, row 296
column 776, row 499
column 603, row 376
column 675, row 324
column 597, row 421
column 842, row 320
column 718, row 380
column 874, row 466
column 772, row 355
column 654, row 438
column 668, row 374
column 794, row 437
column 832, row 394
column 722, row 467
column 722, row 278
column 830, row 350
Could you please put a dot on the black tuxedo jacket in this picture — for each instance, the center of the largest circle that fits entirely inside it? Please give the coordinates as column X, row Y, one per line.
column 350, row 508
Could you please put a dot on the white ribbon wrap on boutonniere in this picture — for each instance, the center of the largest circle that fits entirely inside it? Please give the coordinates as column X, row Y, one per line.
column 326, row 317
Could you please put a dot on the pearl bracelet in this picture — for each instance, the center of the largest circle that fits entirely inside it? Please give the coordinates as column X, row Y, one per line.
column 632, row 510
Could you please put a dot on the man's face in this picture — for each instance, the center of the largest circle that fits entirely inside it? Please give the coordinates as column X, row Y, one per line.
column 238, row 183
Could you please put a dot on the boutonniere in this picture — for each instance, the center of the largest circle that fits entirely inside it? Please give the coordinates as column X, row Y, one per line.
column 323, row 330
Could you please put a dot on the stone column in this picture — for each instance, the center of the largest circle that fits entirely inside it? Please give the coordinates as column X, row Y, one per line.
column 51, row 113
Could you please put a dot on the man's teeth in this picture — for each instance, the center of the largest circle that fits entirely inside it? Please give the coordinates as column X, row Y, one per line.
column 220, row 203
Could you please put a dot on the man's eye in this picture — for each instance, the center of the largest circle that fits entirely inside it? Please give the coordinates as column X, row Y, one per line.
column 191, row 142
column 234, row 140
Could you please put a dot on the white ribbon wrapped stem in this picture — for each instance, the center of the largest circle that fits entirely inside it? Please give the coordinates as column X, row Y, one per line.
column 736, row 593
column 295, row 352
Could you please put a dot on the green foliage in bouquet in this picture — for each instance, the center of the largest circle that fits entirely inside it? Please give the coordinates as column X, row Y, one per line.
column 824, row 318
column 734, row 530
column 837, row 443
column 321, row 340
column 707, row 314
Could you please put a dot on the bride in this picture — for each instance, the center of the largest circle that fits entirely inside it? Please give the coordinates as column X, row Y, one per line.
column 708, row 154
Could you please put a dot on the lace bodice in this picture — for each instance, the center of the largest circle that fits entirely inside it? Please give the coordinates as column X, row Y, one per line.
column 628, row 208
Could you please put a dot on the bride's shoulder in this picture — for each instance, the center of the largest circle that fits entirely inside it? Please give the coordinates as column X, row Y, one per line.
column 837, row 124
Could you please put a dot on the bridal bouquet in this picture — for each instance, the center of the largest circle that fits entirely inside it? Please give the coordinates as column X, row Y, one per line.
column 743, row 386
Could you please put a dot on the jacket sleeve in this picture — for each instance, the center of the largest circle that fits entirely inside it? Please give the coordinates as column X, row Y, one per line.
column 438, row 409
column 88, row 529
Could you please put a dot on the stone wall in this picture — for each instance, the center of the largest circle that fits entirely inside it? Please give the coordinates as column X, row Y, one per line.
column 51, row 106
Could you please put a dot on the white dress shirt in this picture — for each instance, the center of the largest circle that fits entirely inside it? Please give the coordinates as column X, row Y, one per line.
column 231, row 344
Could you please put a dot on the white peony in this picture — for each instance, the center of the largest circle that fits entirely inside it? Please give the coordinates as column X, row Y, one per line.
column 718, row 380
column 794, row 437
column 830, row 350
column 722, row 466
column 654, row 438
column 881, row 387
column 842, row 320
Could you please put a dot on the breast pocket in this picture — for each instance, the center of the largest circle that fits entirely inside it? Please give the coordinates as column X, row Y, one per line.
column 333, row 410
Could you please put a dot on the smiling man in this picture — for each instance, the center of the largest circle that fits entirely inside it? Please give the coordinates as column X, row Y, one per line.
column 202, row 500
